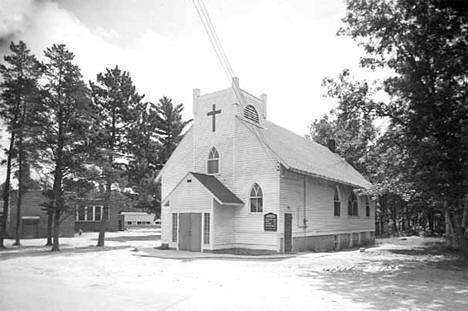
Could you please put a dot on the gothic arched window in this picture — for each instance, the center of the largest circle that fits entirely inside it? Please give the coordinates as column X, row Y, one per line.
column 337, row 203
column 213, row 161
column 256, row 199
column 352, row 205
column 251, row 113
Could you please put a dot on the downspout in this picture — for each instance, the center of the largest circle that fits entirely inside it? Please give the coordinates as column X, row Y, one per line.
column 304, row 225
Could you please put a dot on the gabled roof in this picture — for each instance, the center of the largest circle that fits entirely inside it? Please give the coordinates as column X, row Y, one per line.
column 218, row 189
column 305, row 156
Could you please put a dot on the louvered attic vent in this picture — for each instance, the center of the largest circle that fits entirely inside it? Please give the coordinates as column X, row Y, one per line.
column 251, row 113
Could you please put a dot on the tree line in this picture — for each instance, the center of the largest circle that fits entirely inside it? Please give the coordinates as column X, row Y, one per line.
column 80, row 136
column 418, row 161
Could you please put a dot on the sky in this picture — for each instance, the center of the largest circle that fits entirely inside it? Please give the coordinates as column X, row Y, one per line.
column 278, row 47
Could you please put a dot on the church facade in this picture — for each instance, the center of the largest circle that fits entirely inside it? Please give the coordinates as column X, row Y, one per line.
column 239, row 182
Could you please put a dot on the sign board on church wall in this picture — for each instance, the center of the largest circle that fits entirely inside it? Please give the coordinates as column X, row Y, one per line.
column 270, row 222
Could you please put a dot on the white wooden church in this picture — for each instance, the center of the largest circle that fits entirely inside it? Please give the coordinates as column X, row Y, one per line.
column 239, row 182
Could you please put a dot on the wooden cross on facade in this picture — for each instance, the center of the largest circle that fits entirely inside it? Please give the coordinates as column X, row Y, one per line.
column 213, row 113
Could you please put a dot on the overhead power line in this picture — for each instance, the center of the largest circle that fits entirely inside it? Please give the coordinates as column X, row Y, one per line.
column 217, row 47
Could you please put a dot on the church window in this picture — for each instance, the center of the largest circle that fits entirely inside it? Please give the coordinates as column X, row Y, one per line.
column 352, row 205
column 213, row 161
column 206, row 228
column 367, row 207
column 337, row 203
column 251, row 113
column 174, row 227
column 256, row 199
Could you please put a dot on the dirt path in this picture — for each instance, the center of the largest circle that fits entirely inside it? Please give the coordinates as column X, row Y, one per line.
column 401, row 274
column 411, row 274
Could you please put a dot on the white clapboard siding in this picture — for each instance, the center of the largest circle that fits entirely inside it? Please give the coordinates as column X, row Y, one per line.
column 223, row 226
column 178, row 165
column 320, row 207
column 254, row 165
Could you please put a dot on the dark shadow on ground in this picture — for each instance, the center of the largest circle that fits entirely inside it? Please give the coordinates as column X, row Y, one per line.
column 129, row 238
column 419, row 283
column 228, row 258
column 34, row 251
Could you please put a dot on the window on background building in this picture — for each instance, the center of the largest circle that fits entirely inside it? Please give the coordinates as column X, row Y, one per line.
column 337, row 203
column 105, row 212
column 174, row 227
column 251, row 113
column 97, row 213
column 367, row 207
column 89, row 213
column 352, row 205
column 213, row 161
column 206, row 228
column 256, row 199
column 81, row 213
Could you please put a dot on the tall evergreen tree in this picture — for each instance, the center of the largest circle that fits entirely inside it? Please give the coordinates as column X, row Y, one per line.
column 143, row 151
column 170, row 127
column 116, row 101
column 19, row 107
column 65, row 138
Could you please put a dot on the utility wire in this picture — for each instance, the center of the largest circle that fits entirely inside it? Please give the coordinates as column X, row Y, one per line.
column 213, row 43
column 216, row 38
column 217, row 46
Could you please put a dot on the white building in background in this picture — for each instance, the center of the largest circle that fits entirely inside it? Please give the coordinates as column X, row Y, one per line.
column 139, row 219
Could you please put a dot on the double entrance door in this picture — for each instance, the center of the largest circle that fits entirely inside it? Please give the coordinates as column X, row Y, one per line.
column 190, row 232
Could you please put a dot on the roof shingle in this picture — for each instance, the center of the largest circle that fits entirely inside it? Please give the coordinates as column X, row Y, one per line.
column 218, row 189
column 306, row 156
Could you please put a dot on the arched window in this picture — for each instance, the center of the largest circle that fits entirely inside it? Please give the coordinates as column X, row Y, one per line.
column 337, row 203
column 352, row 205
column 367, row 207
column 213, row 161
column 256, row 199
column 251, row 113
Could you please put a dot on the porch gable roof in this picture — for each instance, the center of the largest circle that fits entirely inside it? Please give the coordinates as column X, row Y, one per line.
column 218, row 189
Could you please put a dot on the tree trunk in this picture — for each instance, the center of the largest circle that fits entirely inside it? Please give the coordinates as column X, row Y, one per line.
column 56, row 244
column 6, row 191
column 104, row 221
column 394, row 215
column 19, row 224
column 50, row 216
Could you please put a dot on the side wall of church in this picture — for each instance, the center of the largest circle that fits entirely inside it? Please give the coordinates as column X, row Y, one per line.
column 254, row 164
column 223, row 226
column 319, row 213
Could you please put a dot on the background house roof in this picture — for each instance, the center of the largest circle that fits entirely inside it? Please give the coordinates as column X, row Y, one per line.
column 305, row 156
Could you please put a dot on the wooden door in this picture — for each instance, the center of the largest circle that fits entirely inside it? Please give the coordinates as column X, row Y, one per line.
column 287, row 233
column 195, row 232
column 190, row 232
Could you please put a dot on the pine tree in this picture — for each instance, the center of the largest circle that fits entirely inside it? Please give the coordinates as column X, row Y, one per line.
column 116, row 102
column 19, row 108
column 170, row 127
column 65, row 138
column 143, row 150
